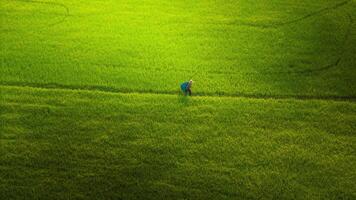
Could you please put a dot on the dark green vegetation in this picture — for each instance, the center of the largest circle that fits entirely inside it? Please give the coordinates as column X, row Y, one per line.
column 63, row 143
column 89, row 104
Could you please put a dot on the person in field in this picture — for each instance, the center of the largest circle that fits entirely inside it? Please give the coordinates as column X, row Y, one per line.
column 186, row 87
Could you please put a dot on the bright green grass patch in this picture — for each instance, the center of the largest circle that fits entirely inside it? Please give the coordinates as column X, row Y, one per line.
column 81, row 144
column 228, row 47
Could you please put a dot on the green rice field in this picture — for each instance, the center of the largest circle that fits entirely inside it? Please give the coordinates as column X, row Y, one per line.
column 91, row 107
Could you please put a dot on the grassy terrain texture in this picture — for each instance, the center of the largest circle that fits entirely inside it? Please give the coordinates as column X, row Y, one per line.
column 90, row 106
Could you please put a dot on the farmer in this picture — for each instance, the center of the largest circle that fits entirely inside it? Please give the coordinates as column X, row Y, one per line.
column 186, row 87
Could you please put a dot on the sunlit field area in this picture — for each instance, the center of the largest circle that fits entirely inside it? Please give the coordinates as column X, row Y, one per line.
column 91, row 107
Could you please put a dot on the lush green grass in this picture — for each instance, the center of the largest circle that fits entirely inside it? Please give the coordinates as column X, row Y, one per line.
column 154, row 45
column 75, row 144
column 89, row 104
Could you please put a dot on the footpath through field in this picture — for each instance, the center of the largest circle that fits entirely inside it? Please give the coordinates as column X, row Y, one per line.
column 220, row 95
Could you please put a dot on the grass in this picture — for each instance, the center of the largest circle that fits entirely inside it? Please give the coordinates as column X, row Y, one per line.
column 90, row 105
column 154, row 45
column 76, row 144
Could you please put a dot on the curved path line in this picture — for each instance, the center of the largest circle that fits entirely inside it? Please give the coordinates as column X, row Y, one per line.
column 319, row 69
column 65, row 15
column 337, row 61
column 293, row 21
column 351, row 98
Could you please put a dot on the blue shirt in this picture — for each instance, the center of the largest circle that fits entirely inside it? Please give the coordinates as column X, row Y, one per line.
column 184, row 86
